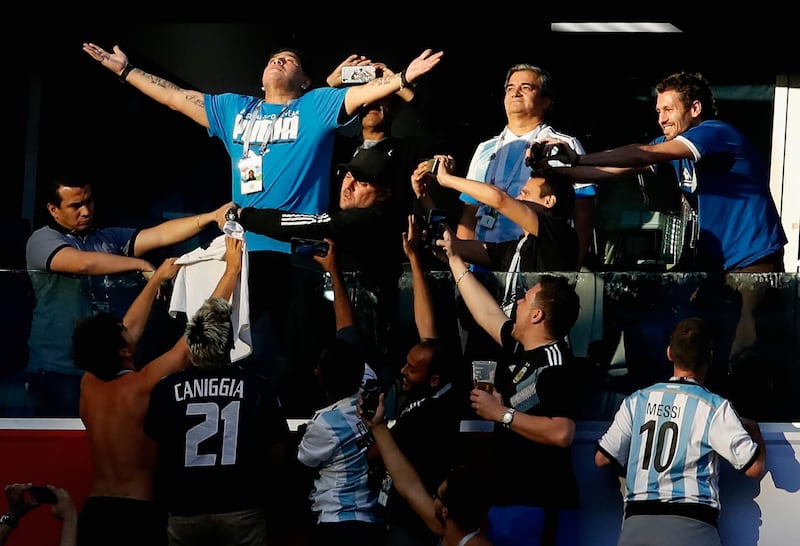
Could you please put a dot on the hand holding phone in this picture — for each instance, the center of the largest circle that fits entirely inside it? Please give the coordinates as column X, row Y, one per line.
column 370, row 398
column 309, row 247
column 433, row 166
column 304, row 250
column 358, row 74
column 434, row 227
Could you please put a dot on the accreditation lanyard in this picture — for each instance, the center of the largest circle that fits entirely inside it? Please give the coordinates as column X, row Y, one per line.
column 512, row 278
column 251, row 123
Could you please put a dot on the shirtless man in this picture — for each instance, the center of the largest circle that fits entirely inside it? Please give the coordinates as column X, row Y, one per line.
column 113, row 403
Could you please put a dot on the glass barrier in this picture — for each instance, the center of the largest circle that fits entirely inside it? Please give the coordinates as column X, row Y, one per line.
column 620, row 337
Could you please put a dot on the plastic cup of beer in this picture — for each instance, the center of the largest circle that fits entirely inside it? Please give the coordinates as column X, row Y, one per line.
column 483, row 374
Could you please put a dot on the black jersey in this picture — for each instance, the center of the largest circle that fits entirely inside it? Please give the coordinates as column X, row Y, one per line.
column 367, row 239
column 214, row 429
column 544, row 381
column 554, row 249
column 426, row 431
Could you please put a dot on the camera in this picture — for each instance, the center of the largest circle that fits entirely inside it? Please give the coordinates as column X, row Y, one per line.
column 435, row 226
column 540, row 151
column 357, row 74
column 370, row 398
column 536, row 155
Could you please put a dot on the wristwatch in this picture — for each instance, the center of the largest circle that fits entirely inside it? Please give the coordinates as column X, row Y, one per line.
column 232, row 215
column 508, row 417
column 9, row 519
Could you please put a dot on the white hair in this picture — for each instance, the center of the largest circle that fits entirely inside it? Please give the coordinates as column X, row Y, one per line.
column 209, row 334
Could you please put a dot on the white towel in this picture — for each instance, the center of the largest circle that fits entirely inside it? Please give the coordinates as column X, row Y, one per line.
column 196, row 280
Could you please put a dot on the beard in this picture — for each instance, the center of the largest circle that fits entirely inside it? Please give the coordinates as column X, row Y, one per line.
column 418, row 390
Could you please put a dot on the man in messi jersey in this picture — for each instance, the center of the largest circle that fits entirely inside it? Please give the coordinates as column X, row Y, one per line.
column 668, row 439
column 286, row 137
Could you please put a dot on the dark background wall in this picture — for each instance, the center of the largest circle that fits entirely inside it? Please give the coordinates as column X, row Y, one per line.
column 147, row 161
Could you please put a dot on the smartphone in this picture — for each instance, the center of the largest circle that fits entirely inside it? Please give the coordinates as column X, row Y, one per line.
column 434, row 227
column 42, row 494
column 358, row 74
column 304, row 251
column 309, row 247
column 433, row 165
column 370, row 398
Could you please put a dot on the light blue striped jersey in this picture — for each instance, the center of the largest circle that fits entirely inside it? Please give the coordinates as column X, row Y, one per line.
column 670, row 436
column 335, row 443
column 500, row 161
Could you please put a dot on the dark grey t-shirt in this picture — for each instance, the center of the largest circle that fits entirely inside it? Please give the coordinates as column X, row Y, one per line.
column 62, row 299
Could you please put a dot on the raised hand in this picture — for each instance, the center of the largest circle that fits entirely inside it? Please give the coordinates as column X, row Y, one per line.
column 233, row 253
column 115, row 61
column 421, row 179
column 65, row 507
column 422, row 64
column 17, row 503
column 328, row 261
column 446, row 247
column 411, row 238
column 377, row 419
column 167, row 270
column 553, row 150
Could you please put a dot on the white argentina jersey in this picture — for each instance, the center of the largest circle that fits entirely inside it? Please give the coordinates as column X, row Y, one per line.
column 669, row 436
column 335, row 443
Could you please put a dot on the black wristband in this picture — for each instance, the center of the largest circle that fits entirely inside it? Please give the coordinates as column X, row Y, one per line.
column 10, row 519
column 233, row 214
column 123, row 76
column 404, row 83
column 577, row 160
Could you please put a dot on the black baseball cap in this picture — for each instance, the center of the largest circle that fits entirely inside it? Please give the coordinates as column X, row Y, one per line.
column 373, row 167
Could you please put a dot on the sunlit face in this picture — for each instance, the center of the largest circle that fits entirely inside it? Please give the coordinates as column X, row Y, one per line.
column 416, row 370
column 526, row 308
column 377, row 113
column 523, row 94
column 355, row 194
column 284, row 68
column 531, row 191
column 76, row 211
column 673, row 116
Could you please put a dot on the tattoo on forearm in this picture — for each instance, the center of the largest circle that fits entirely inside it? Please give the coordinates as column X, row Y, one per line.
column 161, row 82
column 197, row 100
column 385, row 80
